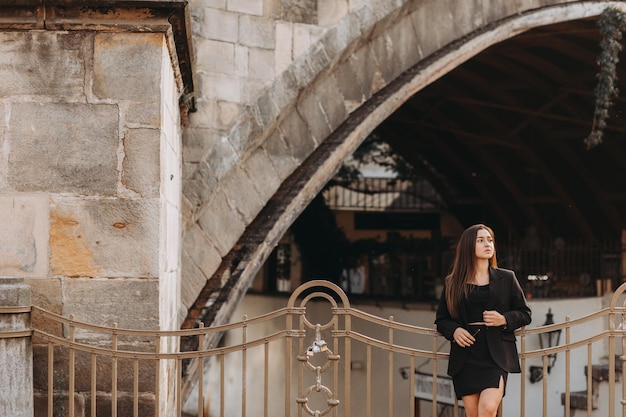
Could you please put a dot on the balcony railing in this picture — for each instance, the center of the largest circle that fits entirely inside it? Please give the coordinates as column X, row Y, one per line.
column 565, row 268
column 384, row 194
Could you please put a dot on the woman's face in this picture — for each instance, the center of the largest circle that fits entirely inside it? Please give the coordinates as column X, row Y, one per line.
column 484, row 244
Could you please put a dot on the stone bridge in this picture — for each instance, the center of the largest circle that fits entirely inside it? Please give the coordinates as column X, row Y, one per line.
column 287, row 91
column 154, row 152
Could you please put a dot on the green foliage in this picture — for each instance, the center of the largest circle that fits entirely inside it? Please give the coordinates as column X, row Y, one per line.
column 373, row 151
column 612, row 24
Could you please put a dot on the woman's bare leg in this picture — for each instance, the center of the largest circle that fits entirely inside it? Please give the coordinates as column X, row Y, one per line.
column 489, row 400
column 470, row 403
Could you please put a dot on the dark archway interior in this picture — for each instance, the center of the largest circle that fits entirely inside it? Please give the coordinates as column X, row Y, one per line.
column 501, row 137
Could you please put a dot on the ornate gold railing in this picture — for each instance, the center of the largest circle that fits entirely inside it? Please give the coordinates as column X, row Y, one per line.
column 318, row 356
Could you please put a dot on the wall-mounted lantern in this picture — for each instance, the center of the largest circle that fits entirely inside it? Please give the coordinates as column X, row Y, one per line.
column 546, row 340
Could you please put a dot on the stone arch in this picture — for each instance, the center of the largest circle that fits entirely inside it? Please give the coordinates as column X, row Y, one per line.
column 323, row 128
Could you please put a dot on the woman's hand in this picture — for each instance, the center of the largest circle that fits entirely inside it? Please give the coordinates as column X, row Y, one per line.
column 463, row 338
column 493, row 319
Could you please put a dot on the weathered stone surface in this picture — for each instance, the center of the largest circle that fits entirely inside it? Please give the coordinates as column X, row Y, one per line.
column 222, row 87
column 245, row 133
column 340, row 40
column 279, row 155
column 266, row 109
column 219, row 25
column 304, row 36
column 285, row 90
column 142, row 113
column 199, row 185
column 47, row 293
column 169, row 173
column 104, row 237
column 202, row 253
column 500, row 9
column 222, row 155
column 365, row 66
column 125, row 405
column 66, row 148
column 222, row 224
column 331, row 101
column 24, row 235
column 382, row 48
column 254, row 7
column 423, row 21
column 311, row 111
column 193, row 283
column 259, row 167
column 42, row 63
column 467, row 17
column 205, row 117
column 142, row 165
column 405, row 52
column 242, row 60
column 352, row 92
column 330, row 12
column 227, row 113
column 284, row 46
column 127, row 66
column 99, row 301
column 15, row 353
column 251, row 89
column 217, row 4
column 300, row 11
column 60, row 403
column 298, row 137
column 241, row 194
column 307, row 67
column 261, row 64
column 256, row 32
column 216, row 56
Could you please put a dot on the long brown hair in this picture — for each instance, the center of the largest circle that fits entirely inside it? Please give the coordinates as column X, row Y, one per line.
column 464, row 267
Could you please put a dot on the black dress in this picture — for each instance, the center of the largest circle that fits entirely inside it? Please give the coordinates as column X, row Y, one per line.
column 479, row 371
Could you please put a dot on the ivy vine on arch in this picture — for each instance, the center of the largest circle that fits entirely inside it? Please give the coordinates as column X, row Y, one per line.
column 612, row 24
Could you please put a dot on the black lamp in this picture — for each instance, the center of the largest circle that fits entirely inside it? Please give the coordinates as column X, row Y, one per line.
column 546, row 340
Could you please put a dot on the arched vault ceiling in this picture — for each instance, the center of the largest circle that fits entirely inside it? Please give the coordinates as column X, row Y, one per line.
column 502, row 137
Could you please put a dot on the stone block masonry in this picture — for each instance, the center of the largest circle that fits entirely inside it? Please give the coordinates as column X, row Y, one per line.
column 16, row 357
column 90, row 189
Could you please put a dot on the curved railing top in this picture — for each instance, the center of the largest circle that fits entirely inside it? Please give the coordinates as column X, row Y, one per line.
column 618, row 292
column 318, row 283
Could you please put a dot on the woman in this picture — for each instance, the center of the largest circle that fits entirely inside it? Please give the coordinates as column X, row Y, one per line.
column 480, row 308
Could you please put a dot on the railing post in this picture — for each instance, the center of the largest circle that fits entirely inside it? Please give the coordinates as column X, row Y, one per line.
column 16, row 357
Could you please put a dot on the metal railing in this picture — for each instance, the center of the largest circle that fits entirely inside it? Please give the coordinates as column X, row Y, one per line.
column 565, row 268
column 384, row 194
column 305, row 359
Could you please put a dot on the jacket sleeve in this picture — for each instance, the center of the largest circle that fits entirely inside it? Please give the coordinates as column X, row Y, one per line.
column 446, row 325
column 519, row 314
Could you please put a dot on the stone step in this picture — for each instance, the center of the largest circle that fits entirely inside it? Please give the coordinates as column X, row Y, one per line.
column 599, row 373
column 578, row 400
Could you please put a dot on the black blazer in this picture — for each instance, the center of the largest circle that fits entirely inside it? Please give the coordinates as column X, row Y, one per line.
column 506, row 297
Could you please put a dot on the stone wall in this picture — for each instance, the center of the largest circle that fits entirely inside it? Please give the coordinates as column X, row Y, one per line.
column 90, row 184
